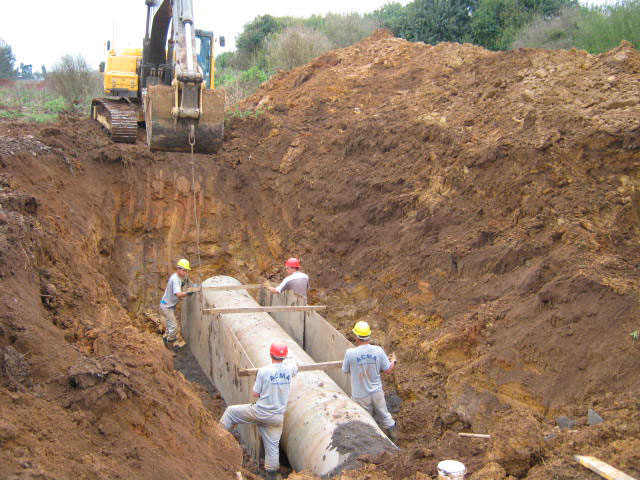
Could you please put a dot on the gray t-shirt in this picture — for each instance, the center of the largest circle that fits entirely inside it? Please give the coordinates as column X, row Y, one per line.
column 365, row 363
column 169, row 299
column 297, row 282
column 273, row 384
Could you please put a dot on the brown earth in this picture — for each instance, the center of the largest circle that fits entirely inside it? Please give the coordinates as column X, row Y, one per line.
column 479, row 209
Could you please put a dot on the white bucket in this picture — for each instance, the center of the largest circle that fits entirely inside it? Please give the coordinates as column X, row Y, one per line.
column 451, row 470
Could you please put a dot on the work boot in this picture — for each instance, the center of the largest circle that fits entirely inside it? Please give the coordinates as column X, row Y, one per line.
column 169, row 344
column 271, row 475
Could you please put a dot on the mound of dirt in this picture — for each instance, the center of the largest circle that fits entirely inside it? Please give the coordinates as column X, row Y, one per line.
column 480, row 209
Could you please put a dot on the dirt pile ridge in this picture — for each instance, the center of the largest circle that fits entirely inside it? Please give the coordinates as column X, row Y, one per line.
column 479, row 209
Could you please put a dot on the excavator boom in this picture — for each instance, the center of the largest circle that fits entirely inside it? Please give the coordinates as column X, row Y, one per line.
column 165, row 85
column 181, row 113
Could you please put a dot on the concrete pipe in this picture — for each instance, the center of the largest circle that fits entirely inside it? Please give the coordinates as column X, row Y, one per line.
column 324, row 430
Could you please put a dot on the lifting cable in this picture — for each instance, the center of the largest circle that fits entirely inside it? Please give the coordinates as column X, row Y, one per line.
column 192, row 143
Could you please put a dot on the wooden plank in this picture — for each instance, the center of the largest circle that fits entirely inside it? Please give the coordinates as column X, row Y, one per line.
column 601, row 468
column 245, row 372
column 474, row 435
column 301, row 308
column 251, row 286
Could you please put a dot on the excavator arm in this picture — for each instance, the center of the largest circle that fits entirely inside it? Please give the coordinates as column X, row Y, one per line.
column 180, row 112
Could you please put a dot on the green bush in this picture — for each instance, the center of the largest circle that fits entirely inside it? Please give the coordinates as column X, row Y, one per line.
column 55, row 105
column 551, row 33
column 392, row 16
column 295, row 46
column 75, row 81
column 344, row 30
column 254, row 34
column 594, row 29
column 603, row 28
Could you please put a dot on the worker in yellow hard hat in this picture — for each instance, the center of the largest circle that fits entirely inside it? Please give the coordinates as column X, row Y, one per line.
column 364, row 363
column 172, row 295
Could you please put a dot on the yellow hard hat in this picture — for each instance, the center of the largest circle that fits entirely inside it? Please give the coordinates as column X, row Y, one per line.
column 184, row 263
column 362, row 330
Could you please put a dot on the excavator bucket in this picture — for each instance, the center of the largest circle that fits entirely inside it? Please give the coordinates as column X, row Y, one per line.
column 166, row 133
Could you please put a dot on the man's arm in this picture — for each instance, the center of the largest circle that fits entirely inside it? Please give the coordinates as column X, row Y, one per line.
column 280, row 287
column 391, row 361
column 345, row 363
column 257, row 387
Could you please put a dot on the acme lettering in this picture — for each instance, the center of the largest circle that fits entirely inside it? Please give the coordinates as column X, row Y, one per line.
column 279, row 376
column 366, row 356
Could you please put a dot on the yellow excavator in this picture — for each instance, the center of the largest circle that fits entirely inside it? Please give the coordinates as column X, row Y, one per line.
column 168, row 85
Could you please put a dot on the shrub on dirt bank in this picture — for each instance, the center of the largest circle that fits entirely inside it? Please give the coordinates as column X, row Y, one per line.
column 347, row 29
column 296, row 46
column 595, row 29
column 75, row 81
column 603, row 28
column 550, row 33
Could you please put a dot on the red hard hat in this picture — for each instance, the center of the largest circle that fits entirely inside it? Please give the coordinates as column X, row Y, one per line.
column 293, row 263
column 279, row 349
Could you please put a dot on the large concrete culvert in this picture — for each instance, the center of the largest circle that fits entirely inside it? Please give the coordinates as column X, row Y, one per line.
column 324, row 430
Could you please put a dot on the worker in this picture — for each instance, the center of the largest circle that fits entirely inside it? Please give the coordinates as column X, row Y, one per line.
column 272, row 386
column 364, row 363
column 295, row 280
column 172, row 295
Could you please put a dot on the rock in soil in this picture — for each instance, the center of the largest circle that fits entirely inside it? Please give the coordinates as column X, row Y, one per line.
column 593, row 418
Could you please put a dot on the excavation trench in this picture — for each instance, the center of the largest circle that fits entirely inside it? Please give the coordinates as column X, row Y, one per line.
column 324, row 430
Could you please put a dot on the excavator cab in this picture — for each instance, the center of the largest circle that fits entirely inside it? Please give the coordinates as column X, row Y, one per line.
column 204, row 47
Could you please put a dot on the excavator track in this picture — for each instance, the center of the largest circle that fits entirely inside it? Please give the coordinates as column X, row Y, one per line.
column 118, row 117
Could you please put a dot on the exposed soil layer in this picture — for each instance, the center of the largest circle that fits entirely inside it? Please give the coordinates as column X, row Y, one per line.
column 481, row 210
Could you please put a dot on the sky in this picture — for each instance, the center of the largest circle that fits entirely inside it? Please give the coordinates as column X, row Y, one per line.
column 41, row 31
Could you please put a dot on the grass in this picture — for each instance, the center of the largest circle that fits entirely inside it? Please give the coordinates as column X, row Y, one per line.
column 30, row 105
column 603, row 28
column 236, row 113
column 595, row 29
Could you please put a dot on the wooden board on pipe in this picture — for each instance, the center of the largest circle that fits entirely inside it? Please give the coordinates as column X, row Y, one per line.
column 246, row 372
column 601, row 468
column 474, row 435
column 251, row 286
column 302, row 308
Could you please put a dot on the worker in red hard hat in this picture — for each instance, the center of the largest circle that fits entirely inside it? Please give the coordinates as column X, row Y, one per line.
column 295, row 280
column 273, row 383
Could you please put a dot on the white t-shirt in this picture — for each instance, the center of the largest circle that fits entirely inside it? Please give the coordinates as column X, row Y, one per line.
column 174, row 285
column 273, row 384
column 297, row 282
column 364, row 363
